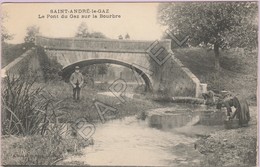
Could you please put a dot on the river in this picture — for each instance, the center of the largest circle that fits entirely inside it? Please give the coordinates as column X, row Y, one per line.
column 131, row 142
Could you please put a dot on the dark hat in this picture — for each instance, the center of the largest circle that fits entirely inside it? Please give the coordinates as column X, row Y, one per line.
column 77, row 67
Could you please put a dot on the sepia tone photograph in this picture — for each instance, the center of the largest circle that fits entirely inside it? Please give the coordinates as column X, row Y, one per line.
column 129, row 84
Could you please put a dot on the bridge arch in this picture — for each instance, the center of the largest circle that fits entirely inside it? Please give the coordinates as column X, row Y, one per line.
column 172, row 77
column 69, row 69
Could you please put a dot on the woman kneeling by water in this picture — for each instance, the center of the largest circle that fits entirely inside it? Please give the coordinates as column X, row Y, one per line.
column 241, row 105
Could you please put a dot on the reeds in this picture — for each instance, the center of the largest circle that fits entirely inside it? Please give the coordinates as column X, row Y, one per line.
column 32, row 114
column 26, row 109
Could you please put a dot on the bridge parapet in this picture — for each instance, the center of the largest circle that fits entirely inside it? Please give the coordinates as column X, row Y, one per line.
column 94, row 44
column 173, row 77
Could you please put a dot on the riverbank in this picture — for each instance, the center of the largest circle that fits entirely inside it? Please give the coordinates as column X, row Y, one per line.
column 207, row 146
column 39, row 150
column 85, row 107
column 235, row 147
column 48, row 149
column 238, row 72
column 217, row 146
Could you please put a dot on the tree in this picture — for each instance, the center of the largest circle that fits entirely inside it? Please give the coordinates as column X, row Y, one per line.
column 83, row 32
column 175, row 45
column 120, row 37
column 102, row 69
column 97, row 35
column 31, row 33
column 215, row 24
column 4, row 33
column 127, row 36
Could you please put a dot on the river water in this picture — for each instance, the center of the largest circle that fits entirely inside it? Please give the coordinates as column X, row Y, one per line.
column 127, row 94
column 132, row 142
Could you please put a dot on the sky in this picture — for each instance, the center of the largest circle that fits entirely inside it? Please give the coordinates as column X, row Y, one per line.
column 139, row 20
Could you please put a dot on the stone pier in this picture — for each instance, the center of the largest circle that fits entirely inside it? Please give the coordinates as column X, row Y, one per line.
column 169, row 118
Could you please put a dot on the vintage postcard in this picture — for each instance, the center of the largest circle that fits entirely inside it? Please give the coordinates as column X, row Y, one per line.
column 129, row 84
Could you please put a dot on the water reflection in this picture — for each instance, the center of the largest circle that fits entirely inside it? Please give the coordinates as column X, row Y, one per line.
column 126, row 94
column 131, row 142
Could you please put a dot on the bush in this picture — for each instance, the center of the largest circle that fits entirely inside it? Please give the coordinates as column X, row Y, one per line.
column 38, row 150
column 49, row 67
column 30, row 120
column 26, row 110
column 10, row 52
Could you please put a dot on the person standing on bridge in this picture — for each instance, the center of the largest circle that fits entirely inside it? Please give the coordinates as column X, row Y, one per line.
column 76, row 80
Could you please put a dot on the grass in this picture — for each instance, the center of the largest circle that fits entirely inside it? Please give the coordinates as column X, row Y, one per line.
column 233, row 147
column 38, row 150
column 22, row 107
column 48, row 149
column 26, row 114
column 13, row 51
column 85, row 108
column 31, row 131
column 238, row 69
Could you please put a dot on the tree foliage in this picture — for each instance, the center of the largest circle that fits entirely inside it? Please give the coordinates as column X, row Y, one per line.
column 5, row 35
column 101, row 69
column 31, row 33
column 214, row 24
column 127, row 36
column 49, row 67
column 12, row 51
column 83, row 32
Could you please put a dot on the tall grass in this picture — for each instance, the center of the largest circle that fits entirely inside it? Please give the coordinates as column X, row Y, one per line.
column 28, row 109
column 20, row 106
column 49, row 67
column 32, row 114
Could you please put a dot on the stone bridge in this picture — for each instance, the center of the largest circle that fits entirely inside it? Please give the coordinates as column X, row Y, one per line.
column 71, row 52
column 171, row 76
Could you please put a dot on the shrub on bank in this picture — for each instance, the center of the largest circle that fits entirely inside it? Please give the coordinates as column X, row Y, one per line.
column 21, row 106
column 10, row 52
column 31, row 132
column 49, row 67
column 38, row 150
